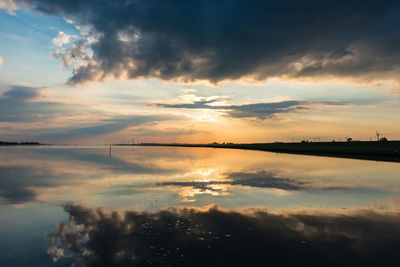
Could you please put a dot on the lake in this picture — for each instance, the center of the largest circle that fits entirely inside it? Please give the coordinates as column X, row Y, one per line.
column 171, row 206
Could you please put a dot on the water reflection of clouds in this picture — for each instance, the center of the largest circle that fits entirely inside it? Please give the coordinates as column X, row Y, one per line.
column 40, row 171
column 19, row 184
column 256, row 179
column 215, row 237
column 173, row 175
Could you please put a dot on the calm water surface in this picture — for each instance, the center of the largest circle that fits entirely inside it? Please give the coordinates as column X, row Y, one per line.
column 168, row 206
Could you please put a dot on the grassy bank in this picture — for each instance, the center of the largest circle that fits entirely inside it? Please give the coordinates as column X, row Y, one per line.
column 370, row 150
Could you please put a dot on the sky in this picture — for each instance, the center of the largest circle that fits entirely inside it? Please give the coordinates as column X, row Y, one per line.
column 100, row 72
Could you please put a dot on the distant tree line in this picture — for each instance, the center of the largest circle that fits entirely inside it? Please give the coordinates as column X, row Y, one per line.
column 5, row 143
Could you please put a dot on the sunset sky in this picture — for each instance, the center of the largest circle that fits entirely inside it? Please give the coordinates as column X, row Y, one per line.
column 100, row 72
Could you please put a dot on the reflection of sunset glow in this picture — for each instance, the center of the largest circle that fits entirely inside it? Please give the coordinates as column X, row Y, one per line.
column 210, row 189
column 174, row 176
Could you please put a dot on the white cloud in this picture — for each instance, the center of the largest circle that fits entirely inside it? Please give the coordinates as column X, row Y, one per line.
column 70, row 55
column 70, row 21
column 1, row 61
column 56, row 252
column 61, row 38
column 10, row 5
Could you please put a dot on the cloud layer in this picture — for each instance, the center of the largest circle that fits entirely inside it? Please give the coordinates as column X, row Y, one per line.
column 111, row 125
column 22, row 104
column 259, row 110
column 17, row 105
column 215, row 41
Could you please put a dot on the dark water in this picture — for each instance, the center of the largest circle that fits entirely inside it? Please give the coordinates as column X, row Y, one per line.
column 150, row 206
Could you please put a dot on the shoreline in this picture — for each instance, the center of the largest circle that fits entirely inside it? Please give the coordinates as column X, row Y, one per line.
column 365, row 150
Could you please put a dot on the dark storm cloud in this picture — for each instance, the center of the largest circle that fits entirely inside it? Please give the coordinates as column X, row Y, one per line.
column 229, row 39
column 190, row 237
column 106, row 126
column 16, row 105
column 258, row 110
